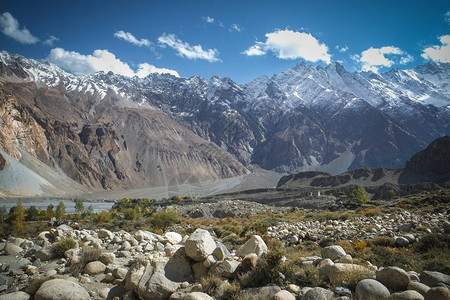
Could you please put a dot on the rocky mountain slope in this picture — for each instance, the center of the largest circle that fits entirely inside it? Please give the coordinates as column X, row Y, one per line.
column 105, row 131
column 427, row 168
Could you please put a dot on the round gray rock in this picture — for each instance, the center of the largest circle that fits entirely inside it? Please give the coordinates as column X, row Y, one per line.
column 370, row 289
column 333, row 252
column 318, row 293
column 438, row 293
column 406, row 295
column 15, row 296
column 56, row 289
column 94, row 268
column 394, row 278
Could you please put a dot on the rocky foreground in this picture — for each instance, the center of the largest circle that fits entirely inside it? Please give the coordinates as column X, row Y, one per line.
column 118, row 265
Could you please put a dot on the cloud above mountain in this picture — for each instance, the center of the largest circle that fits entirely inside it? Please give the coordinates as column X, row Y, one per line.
column 184, row 49
column 10, row 27
column 373, row 59
column 439, row 53
column 289, row 44
column 100, row 60
column 130, row 38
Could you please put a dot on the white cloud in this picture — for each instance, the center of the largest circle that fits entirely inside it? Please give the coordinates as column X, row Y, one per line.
column 10, row 27
column 288, row 44
column 51, row 39
column 439, row 53
column 235, row 27
column 208, row 19
column 130, row 38
column 374, row 58
column 100, row 60
column 145, row 69
column 186, row 50
column 254, row 50
column 406, row 59
column 341, row 49
column 447, row 17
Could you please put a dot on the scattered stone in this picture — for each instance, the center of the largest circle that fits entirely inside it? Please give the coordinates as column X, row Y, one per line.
column 283, row 295
column 190, row 296
column 394, row 278
column 438, row 293
column 12, row 249
column 61, row 289
column 432, row 278
column 225, row 268
column 407, row 295
column 219, row 253
column 105, row 233
column 45, row 253
column 254, row 245
column 265, row 292
column 293, row 288
column 401, row 241
column 318, row 293
column 342, row 291
column 173, row 237
column 94, row 268
column 15, row 296
column 333, row 252
column 370, row 289
column 418, row 287
column 199, row 245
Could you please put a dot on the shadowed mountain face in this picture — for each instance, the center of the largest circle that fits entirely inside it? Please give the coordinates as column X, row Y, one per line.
column 108, row 131
column 427, row 169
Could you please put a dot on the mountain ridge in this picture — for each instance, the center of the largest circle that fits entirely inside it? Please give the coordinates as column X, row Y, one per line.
column 305, row 118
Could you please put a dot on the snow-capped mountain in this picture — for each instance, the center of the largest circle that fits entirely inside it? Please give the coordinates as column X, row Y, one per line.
column 306, row 118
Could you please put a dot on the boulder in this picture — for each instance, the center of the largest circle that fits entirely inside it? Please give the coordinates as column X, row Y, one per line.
column 338, row 272
column 407, row 295
column 143, row 235
column 199, row 270
column 158, row 278
column 283, row 295
column 432, row 278
column 199, row 245
column 219, row 253
column 438, row 293
column 15, row 296
column 190, row 296
column 173, row 237
column 105, row 233
column 333, row 252
column 318, row 293
column 94, row 268
column 265, row 292
column 418, row 287
column 225, row 268
column 12, row 249
column 394, row 278
column 370, row 289
column 61, row 289
column 254, row 245
column 401, row 241
column 45, row 253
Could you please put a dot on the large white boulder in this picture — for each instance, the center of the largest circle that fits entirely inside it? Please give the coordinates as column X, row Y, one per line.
column 254, row 245
column 199, row 245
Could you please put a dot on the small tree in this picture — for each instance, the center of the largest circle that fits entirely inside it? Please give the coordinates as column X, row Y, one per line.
column 17, row 216
column 360, row 195
column 164, row 218
column 32, row 213
column 79, row 207
column 392, row 194
column 60, row 210
column 50, row 213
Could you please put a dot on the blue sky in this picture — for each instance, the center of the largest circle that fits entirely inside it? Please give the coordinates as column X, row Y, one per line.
column 237, row 39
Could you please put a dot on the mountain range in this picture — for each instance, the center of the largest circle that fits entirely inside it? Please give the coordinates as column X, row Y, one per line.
column 68, row 133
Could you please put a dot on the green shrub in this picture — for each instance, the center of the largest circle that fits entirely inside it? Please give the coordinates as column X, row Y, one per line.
column 164, row 218
column 327, row 241
column 351, row 279
column 210, row 284
column 384, row 241
column 433, row 241
column 268, row 270
column 63, row 245
column 307, row 276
